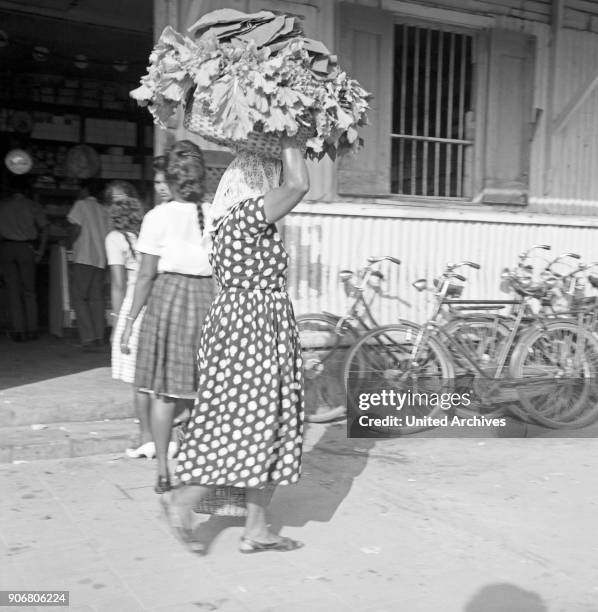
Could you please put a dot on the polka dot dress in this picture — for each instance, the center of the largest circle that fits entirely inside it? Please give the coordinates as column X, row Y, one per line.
column 247, row 424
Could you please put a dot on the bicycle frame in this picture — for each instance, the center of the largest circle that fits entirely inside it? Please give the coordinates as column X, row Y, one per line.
column 522, row 310
column 463, row 351
column 365, row 319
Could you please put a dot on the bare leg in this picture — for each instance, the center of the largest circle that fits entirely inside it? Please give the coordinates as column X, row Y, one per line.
column 256, row 525
column 142, row 402
column 257, row 536
column 162, row 414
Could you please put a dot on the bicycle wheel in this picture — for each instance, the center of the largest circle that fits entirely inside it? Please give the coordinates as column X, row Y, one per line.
column 382, row 361
column 560, row 360
column 324, row 350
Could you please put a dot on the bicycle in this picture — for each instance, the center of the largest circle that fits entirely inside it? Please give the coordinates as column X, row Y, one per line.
column 420, row 363
column 326, row 338
column 575, row 401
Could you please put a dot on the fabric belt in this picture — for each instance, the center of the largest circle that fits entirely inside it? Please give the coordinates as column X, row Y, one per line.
column 250, row 289
column 187, row 275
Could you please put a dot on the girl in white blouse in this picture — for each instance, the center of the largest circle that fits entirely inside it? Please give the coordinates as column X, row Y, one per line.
column 175, row 282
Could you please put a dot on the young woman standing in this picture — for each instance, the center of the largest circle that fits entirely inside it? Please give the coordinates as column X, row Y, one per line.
column 175, row 282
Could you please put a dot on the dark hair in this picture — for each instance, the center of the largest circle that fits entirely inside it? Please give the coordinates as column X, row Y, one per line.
column 93, row 187
column 126, row 216
column 159, row 163
column 185, row 171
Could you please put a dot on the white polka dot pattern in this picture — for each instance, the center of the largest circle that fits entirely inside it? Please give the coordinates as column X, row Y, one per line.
column 246, row 428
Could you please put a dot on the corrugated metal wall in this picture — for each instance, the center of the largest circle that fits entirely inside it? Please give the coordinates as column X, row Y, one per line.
column 321, row 245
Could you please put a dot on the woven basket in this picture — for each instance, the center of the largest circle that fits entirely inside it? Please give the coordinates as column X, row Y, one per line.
column 224, row 501
column 266, row 144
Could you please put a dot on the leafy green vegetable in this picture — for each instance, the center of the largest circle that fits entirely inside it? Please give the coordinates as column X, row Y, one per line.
column 268, row 83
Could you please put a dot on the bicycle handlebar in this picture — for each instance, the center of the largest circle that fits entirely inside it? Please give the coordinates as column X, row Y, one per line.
column 394, row 260
column 560, row 257
column 525, row 254
column 580, row 268
column 462, row 264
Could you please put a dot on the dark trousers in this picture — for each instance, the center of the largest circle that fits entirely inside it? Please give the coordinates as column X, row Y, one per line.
column 17, row 260
column 87, row 293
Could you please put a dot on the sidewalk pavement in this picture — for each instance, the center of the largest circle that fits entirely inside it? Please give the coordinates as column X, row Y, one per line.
column 413, row 525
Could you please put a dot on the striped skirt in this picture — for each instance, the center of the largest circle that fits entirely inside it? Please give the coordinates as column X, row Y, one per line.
column 169, row 335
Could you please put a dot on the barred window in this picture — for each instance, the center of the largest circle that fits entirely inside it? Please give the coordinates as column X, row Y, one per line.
column 432, row 134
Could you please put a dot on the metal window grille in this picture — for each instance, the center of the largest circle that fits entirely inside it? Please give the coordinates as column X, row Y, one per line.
column 432, row 104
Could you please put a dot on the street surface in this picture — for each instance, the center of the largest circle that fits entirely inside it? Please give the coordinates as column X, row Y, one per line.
column 420, row 525
column 498, row 523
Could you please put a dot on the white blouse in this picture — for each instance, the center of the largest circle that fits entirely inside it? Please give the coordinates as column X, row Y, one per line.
column 118, row 253
column 171, row 231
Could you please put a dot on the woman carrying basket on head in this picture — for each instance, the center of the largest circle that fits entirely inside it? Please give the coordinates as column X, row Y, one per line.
column 175, row 281
column 247, row 423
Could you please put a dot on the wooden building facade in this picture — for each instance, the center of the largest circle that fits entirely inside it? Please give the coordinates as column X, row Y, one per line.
column 483, row 140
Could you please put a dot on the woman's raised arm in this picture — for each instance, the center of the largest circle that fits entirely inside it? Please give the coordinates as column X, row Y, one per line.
column 280, row 201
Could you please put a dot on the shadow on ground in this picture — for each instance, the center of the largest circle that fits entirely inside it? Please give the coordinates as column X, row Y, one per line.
column 23, row 363
column 501, row 597
column 330, row 468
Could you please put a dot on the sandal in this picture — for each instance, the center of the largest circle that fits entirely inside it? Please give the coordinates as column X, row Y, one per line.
column 147, row 450
column 283, row 545
column 163, row 485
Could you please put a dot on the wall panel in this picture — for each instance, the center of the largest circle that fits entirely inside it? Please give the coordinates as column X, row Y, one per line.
column 320, row 245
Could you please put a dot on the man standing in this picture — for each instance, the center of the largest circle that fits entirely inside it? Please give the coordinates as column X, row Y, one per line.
column 90, row 226
column 22, row 223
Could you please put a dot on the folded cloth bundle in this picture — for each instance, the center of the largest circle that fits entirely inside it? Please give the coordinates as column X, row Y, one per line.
column 264, row 27
column 255, row 73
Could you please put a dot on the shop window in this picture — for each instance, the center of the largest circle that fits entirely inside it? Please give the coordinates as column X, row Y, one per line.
column 431, row 139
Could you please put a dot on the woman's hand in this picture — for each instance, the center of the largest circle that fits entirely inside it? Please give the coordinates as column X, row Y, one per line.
column 288, row 141
column 125, row 338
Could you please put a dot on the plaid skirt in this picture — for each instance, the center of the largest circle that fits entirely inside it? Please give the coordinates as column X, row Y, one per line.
column 169, row 335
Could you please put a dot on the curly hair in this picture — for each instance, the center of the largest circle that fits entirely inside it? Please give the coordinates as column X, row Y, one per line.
column 185, row 172
column 126, row 214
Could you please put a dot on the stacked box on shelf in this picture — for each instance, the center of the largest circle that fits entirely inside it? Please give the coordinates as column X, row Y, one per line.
column 56, row 127
column 48, row 94
column 90, row 94
column 108, row 131
column 66, row 95
column 115, row 164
